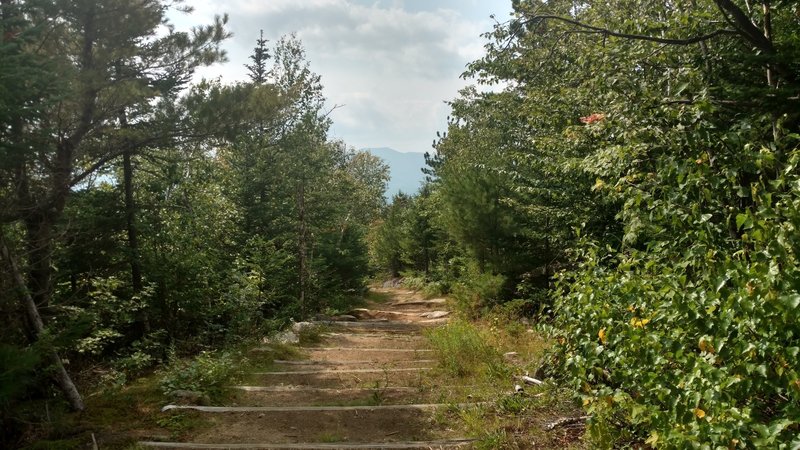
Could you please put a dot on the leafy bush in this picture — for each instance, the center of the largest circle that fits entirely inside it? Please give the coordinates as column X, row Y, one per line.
column 435, row 289
column 692, row 336
column 17, row 373
column 207, row 373
column 477, row 292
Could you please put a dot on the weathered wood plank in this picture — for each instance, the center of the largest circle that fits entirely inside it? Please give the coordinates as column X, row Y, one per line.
column 326, row 371
column 264, row 409
column 450, row 443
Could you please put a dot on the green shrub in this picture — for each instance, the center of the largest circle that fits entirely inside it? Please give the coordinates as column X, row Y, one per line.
column 434, row 289
column 463, row 350
column 478, row 292
column 207, row 373
column 692, row 337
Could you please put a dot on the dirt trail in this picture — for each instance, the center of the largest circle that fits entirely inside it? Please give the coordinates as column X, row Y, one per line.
column 362, row 387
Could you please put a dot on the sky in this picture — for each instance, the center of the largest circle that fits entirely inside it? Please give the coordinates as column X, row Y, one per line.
column 388, row 65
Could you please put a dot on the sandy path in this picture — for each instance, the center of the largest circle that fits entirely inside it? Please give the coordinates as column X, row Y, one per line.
column 361, row 387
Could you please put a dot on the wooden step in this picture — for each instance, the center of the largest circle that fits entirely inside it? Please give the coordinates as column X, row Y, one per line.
column 342, row 371
column 352, row 363
column 384, row 325
column 372, row 340
column 268, row 396
column 440, row 444
column 331, row 378
column 317, row 389
column 367, row 349
column 282, row 409
column 300, row 425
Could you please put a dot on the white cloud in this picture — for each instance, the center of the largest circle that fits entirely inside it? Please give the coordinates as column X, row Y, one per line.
column 391, row 63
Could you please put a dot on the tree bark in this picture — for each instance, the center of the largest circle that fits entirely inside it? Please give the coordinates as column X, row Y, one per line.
column 130, row 222
column 61, row 376
column 302, row 246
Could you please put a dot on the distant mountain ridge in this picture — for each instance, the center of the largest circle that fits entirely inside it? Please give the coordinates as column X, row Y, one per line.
column 405, row 170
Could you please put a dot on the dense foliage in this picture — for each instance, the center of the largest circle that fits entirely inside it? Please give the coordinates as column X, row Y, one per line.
column 630, row 174
column 640, row 159
column 142, row 218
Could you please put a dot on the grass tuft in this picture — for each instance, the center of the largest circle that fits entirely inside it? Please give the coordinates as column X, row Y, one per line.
column 463, row 350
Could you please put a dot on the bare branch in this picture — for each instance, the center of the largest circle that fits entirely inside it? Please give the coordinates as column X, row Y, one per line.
column 745, row 26
column 638, row 37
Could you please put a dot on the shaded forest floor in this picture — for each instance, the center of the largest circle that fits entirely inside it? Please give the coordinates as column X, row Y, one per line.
column 398, row 373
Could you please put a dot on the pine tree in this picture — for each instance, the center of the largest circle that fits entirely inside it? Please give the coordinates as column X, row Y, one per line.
column 71, row 136
column 258, row 70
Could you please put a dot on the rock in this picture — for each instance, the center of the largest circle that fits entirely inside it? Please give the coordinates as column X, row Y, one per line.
column 518, row 388
column 435, row 314
column 299, row 327
column 361, row 313
column 393, row 283
column 286, row 337
column 344, row 318
column 184, row 397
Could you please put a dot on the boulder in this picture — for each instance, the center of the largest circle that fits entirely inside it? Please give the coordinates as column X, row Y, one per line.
column 286, row 337
column 361, row 313
column 393, row 283
column 435, row 314
column 299, row 327
column 185, row 397
column 344, row 318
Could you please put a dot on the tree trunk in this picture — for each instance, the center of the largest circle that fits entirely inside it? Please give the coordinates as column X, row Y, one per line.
column 130, row 217
column 61, row 376
column 771, row 81
column 130, row 222
column 133, row 235
column 39, row 242
column 302, row 246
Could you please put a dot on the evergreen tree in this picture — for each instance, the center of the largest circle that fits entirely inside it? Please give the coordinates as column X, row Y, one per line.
column 258, row 69
column 81, row 133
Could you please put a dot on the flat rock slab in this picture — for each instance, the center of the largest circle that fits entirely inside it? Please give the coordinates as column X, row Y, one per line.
column 441, row 444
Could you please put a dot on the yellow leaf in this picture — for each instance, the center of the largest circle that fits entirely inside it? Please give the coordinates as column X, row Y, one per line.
column 699, row 413
column 652, row 439
column 602, row 335
column 598, row 184
column 705, row 346
column 639, row 323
